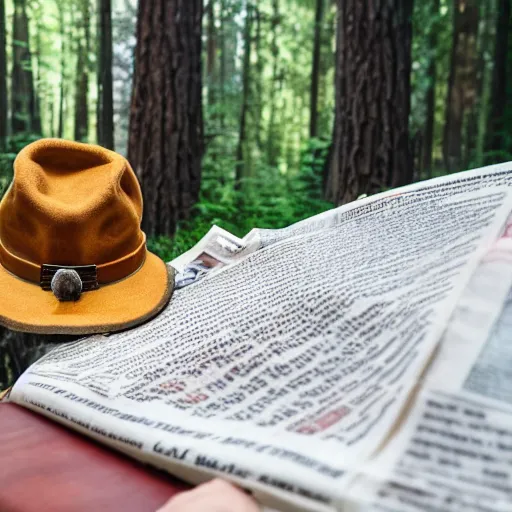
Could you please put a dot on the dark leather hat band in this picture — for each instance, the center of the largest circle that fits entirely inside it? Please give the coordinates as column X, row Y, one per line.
column 106, row 272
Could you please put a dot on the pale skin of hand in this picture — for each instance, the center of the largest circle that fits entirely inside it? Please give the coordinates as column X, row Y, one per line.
column 214, row 496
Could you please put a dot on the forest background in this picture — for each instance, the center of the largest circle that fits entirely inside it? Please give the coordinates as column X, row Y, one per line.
column 258, row 113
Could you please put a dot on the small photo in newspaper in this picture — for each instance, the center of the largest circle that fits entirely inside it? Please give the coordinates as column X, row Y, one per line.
column 196, row 270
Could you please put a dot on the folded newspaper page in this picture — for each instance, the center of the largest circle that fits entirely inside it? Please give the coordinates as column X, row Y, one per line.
column 310, row 362
column 454, row 451
column 217, row 249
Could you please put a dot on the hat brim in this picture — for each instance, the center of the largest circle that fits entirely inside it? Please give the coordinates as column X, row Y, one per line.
column 27, row 307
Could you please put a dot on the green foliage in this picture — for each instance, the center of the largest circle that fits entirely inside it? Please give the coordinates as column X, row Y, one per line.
column 6, row 161
column 312, row 164
column 428, row 23
column 17, row 142
column 268, row 199
column 14, row 145
column 277, row 114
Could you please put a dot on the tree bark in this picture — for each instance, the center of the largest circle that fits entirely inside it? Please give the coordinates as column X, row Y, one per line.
column 315, row 69
column 105, row 110
column 51, row 109
column 462, row 81
column 211, row 53
column 62, row 87
column 231, row 32
column 166, row 121
column 240, row 152
column 479, row 130
column 82, row 73
column 327, row 63
column 370, row 149
column 223, row 58
column 272, row 143
column 430, row 99
column 23, row 98
column 3, row 78
column 496, row 126
column 477, row 114
column 37, row 12
column 257, row 80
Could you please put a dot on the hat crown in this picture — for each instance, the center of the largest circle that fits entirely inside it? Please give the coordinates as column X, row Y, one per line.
column 71, row 204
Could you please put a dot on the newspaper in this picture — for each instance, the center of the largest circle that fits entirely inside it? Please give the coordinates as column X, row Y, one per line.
column 217, row 249
column 454, row 452
column 288, row 369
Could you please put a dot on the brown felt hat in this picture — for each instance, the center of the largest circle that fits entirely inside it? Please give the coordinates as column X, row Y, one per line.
column 73, row 257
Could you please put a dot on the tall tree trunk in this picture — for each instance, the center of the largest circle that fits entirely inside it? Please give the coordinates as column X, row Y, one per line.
column 211, row 53
column 166, row 122
column 479, row 130
column 257, row 80
column 315, row 69
column 23, row 99
column 327, row 63
column 38, row 14
column 105, row 111
column 223, row 59
column 428, row 136
column 500, row 81
column 82, row 73
column 462, row 81
column 272, row 146
column 62, row 86
column 51, row 110
column 473, row 143
column 3, row 78
column 231, row 10
column 370, row 149
column 246, row 81
column 62, row 103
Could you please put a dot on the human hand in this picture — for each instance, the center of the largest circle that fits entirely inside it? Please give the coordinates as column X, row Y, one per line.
column 214, row 496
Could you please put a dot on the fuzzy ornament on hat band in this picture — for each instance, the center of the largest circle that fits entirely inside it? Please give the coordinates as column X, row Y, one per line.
column 73, row 257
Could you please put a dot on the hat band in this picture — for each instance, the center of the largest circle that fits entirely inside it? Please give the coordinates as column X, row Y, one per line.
column 107, row 272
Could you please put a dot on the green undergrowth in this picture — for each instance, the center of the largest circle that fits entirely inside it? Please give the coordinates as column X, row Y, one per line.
column 268, row 199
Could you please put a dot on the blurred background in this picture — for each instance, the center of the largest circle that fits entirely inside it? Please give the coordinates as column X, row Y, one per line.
column 244, row 114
